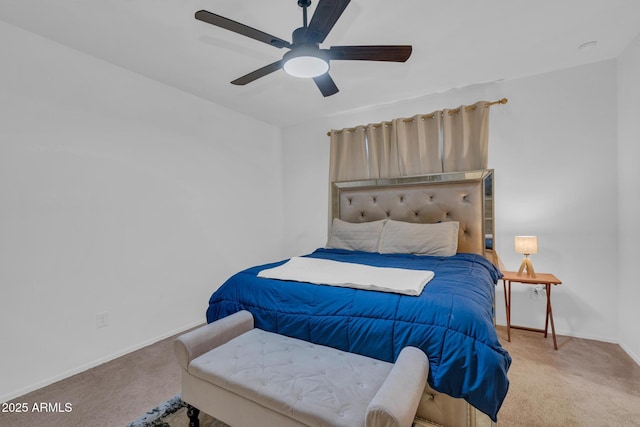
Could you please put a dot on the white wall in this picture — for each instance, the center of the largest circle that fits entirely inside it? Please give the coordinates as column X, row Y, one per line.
column 112, row 187
column 629, row 196
column 114, row 197
column 553, row 147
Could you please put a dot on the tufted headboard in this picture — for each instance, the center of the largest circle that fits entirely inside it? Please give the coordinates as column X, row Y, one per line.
column 466, row 197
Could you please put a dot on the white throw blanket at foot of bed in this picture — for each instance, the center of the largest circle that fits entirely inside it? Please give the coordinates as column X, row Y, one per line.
column 346, row 274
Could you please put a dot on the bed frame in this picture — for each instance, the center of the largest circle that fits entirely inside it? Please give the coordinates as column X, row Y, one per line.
column 466, row 197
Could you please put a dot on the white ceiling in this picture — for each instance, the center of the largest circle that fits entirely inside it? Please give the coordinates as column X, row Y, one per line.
column 455, row 44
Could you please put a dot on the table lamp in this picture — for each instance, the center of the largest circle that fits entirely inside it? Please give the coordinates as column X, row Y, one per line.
column 526, row 245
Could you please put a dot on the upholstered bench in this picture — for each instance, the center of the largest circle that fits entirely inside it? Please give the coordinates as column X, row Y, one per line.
column 248, row 377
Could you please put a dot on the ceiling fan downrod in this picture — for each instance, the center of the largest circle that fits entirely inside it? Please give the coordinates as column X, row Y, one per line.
column 304, row 4
column 300, row 36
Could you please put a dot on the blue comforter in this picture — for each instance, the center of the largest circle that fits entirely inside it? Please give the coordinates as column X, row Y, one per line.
column 451, row 321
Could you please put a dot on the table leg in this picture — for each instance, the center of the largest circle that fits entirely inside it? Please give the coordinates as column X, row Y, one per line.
column 507, row 305
column 546, row 317
column 550, row 316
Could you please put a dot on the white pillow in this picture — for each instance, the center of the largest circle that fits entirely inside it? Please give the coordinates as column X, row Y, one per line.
column 439, row 239
column 361, row 236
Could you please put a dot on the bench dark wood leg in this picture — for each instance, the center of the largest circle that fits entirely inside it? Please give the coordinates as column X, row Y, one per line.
column 193, row 413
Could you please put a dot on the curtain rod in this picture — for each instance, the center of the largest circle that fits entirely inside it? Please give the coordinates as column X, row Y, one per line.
column 473, row 107
column 432, row 115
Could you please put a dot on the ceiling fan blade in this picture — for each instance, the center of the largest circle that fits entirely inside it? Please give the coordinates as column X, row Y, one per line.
column 370, row 53
column 236, row 27
column 324, row 18
column 261, row 72
column 326, row 85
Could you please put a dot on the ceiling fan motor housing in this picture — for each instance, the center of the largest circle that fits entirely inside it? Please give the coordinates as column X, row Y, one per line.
column 299, row 36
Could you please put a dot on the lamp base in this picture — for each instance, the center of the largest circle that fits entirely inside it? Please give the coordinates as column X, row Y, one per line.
column 526, row 268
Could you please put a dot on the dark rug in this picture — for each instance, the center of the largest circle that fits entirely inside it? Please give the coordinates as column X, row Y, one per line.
column 173, row 413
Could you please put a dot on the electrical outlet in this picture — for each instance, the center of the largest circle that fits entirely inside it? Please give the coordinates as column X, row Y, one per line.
column 102, row 319
column 538, row 293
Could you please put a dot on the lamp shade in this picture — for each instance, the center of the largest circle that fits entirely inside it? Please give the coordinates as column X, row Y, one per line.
column 305, row 62
column 526, row 245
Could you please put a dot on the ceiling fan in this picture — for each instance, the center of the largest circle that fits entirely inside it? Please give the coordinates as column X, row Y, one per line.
column 305, row 58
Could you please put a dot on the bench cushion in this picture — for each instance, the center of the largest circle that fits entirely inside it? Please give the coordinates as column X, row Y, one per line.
column 314, row 384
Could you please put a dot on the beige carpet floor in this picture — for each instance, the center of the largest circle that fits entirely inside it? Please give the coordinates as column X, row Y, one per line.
column 109, row 395
column 584, row 383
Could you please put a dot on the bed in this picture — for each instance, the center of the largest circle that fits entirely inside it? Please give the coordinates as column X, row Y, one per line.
column 452, row 318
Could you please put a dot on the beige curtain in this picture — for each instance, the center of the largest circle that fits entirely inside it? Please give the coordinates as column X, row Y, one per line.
column 465, row 142
column 348, row 155
column 383, row 151
column 444, row 141
column 418, row 144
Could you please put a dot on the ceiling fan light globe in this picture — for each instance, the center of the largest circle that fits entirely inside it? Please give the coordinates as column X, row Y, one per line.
column 306, row 66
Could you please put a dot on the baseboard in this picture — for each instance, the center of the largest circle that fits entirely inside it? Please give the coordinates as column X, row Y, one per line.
column 577, row 335
column 630, row 353
column 93, row 364
column 587, row 337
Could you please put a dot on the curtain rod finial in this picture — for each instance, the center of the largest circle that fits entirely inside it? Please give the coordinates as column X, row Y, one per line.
column 500, row 101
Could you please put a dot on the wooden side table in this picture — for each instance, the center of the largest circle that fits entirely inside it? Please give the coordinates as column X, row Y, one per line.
column 540, row 279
